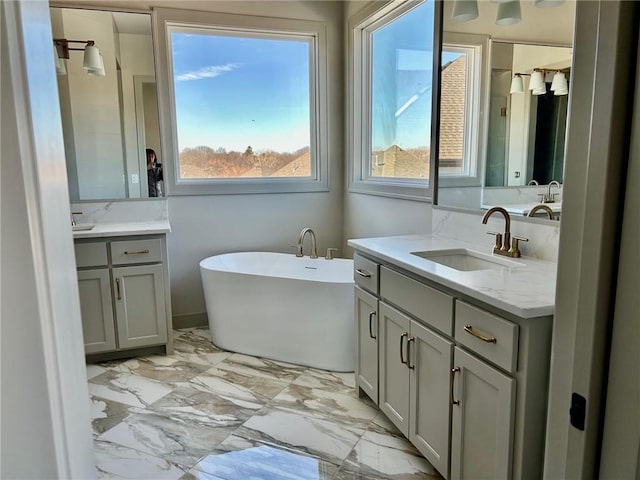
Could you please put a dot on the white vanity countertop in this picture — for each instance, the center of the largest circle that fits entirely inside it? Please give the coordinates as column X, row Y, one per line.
column 523, row 208
column 124, row 228
column 527, row 291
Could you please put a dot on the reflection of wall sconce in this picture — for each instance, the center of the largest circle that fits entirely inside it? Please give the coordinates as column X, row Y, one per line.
column 92, row 63
column 509, row 12
column 559, row 85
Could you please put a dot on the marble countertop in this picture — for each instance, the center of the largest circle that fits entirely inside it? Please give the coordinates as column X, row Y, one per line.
column 122, row 229
column 526, row 291
column 523, row 208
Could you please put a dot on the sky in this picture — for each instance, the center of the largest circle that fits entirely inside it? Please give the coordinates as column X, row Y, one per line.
column 234, row 92
column 402, row 76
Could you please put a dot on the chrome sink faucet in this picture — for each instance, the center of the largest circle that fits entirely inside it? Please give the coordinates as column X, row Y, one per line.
column 314, row 248
column 503, row 244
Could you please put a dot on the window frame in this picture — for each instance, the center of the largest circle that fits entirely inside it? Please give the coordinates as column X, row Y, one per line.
column 475, row 141
column 360, row 28
column 165, row 21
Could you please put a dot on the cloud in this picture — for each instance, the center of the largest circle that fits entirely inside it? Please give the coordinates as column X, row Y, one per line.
column 207, row 72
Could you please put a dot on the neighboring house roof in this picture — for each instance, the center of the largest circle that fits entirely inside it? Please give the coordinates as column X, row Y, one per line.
column 397, row 162
column 452, row 106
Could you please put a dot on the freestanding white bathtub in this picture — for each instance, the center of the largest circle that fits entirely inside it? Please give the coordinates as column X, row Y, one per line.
column 279, row 306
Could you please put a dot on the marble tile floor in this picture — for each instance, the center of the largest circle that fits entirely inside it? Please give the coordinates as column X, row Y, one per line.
column 206, row 414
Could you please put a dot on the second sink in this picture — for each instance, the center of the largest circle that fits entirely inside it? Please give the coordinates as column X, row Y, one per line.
column 467, row 260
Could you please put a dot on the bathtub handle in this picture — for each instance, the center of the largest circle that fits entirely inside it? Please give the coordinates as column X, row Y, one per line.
column 371, row 315
column 402, row 337
column 409, row 341
column 363, row 273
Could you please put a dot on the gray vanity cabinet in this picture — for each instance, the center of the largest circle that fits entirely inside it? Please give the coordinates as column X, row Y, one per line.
column 482, row 420
column 124, row 295
column 414, row 383
column 140, row 312
column 94, row 287
column 466, row 384
column 366, row 315
column 394, row 374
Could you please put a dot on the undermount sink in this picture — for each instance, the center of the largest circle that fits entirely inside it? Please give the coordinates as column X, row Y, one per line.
column 467, row 260
column 81, row 227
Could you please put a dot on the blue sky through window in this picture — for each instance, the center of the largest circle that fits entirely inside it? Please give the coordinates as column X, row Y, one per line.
column 402, row 65
column 233, row 92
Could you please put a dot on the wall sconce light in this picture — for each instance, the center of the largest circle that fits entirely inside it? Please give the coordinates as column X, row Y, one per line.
column 92, row 62
column 537, row 84
column 517, row 85
column 509, row 13
column 559, row 85
column 548, row 3
column 464, row 10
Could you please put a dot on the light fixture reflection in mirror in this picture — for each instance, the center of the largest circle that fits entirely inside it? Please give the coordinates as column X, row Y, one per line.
column 108, row 101
column 520, row 130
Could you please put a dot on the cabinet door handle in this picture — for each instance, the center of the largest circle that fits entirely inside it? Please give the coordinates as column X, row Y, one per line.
column 371, row 334
column 411, row 340
column 136, row 252
column 469, row 330
column 402, row 337
column 452, row 379
column 363, row 273
column 118, row 288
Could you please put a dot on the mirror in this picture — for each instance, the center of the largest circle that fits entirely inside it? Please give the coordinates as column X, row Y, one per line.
column 498, row 147
column 109, row 116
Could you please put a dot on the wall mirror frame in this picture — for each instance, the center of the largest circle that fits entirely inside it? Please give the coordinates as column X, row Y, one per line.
column 109, row 118
column 506, row 139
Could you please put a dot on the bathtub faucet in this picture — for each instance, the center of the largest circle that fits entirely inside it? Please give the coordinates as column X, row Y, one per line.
column 314, row 249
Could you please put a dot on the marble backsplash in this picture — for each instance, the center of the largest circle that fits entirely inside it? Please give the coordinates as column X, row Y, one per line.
column 517, row 195
column 121, row 212
column 543, row 235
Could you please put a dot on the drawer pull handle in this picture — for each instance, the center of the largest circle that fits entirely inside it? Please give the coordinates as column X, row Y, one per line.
column 118, row 288
column 371, row 334
column 136, row 252
column 402, row 337
column 411, row 339
column 451, row 380
column 363, row 273
column 469, row 329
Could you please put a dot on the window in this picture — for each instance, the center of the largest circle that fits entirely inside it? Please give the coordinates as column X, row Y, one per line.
column 392, row 89
column 247, row 103
column 460, row 153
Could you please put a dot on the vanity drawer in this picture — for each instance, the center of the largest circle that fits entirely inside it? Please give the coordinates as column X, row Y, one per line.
column 136, row 251
column 423, row 302
column 488, row 335
column 92, row 254
column 365, row 273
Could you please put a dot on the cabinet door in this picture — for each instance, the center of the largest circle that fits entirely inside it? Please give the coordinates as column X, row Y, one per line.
column 429, row 412
column 482, row 423
column 140, row 305
column 366, row 315
column 96, row 309
column 394, row 375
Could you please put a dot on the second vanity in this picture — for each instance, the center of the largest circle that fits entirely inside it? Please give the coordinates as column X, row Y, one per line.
column 123, row 282
column 453, row 345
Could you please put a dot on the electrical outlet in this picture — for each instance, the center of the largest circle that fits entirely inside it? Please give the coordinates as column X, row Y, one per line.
column 134, row 178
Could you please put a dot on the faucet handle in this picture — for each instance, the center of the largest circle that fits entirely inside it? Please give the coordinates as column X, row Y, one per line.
column 498, row 244
column 552, row 198
column 298, row 248
column 514, row 251
column 330, row 251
